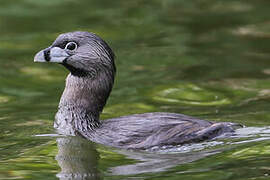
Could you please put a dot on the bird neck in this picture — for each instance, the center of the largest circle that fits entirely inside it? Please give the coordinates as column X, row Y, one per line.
column 82, row 102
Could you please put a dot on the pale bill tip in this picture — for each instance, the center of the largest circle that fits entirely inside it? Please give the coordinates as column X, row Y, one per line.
column 39, row 57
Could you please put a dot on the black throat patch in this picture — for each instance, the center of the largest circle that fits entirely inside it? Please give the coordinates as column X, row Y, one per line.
column 76, row 71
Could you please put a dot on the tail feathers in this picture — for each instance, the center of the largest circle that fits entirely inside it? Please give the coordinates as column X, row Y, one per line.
column 222, row 129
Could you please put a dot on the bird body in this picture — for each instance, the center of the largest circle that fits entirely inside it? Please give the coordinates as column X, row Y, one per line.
column 91, row 64
column 144, row 131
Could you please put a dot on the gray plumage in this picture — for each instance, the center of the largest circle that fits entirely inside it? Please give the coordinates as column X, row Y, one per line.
column 91, row 64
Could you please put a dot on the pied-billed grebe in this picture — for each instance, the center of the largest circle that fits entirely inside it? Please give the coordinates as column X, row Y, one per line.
column 91, row 64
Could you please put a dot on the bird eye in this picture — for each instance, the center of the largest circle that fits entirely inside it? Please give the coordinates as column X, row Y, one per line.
column 71, row 46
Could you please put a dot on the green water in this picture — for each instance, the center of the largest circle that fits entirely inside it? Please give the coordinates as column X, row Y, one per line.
column 204, row 58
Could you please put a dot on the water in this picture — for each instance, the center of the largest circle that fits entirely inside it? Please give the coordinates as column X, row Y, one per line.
column 204, row 58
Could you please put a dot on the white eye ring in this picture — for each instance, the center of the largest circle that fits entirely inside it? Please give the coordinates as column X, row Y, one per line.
column 72, row 46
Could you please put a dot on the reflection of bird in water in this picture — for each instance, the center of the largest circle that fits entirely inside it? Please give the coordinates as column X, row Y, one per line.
column 91, row 64
column 77, row 158
column 152, row 162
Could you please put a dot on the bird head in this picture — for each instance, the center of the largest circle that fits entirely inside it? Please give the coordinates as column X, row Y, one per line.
column 82, row 53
